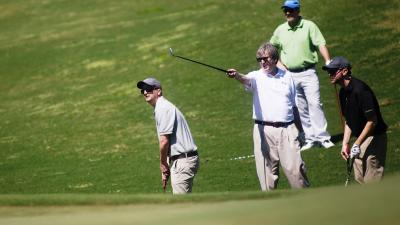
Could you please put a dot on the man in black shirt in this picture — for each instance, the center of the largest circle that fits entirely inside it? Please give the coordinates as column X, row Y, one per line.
column 363, row 119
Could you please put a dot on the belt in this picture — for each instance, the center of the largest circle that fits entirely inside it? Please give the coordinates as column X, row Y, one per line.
column 298, row 70
column 184, row 155
column 273, row 124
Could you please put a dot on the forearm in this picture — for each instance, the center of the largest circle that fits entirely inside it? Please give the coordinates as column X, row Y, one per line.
column 346, row 134
column 325, row 53
column 232, row 73
column 242, row 79
column 368, row 129
column 164, row 148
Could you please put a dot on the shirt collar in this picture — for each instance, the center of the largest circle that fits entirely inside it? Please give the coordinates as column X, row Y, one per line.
column 349, row 87
column 299, row 25
column 279, row 73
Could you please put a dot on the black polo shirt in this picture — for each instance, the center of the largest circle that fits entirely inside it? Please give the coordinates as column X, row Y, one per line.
column 359, row 104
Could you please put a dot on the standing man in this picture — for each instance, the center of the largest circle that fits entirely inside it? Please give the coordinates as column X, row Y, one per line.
column 298, row 41
column 363, row 119
column 276, row 121
column 175, row 139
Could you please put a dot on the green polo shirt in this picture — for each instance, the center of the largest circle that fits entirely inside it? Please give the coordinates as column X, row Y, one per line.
column 298, row 45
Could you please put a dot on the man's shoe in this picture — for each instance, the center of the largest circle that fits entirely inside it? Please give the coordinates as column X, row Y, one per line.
column 307, row 146
column 327, row 144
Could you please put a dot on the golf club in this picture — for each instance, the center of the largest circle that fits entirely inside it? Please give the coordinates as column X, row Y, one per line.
column 171, row 52
column 350, row 162
column 338, row 105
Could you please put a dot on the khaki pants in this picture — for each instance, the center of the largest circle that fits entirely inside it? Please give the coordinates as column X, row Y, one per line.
column 182, row 174
column 369, row 167
column 274, row 146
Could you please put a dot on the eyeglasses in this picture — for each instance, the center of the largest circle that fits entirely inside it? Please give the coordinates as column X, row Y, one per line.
column 333, row 71
column 288, row 10
column 148, row 90
column 266, row 59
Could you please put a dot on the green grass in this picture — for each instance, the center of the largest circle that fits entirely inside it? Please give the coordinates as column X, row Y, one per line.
column 72, row 121
column 366, row 205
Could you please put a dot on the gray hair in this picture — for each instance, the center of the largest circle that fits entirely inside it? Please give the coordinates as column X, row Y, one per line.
column 268, row 48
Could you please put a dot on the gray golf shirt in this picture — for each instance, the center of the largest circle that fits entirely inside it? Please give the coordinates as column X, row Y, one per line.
column 169, row 120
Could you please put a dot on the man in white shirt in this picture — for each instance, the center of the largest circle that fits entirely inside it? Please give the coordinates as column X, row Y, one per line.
column 277, row 121
column 175, row 138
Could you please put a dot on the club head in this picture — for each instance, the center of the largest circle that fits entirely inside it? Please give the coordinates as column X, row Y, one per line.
column 171, row 52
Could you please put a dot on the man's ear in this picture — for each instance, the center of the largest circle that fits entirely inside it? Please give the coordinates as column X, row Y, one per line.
column 345, row 71
column 159, row 92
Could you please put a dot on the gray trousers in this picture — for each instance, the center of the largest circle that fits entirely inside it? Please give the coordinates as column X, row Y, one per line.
column 274, row 146
column 183, row 172
column 370, row 166
column 308, row 101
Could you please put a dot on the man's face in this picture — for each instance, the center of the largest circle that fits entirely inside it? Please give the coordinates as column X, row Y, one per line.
column 335, row 75
column 266, row 62
column 291, row 14
column 150, row 94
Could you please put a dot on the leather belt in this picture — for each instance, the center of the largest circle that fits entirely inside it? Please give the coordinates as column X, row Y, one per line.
column 184, row 155
column 298, row 70
column 273, row 124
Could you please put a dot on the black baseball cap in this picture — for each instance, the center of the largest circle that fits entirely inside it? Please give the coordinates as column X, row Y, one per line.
column 338, row 62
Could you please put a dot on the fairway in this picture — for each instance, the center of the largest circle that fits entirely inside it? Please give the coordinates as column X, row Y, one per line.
column 72, row 120
column 78, row 143
column 355, row 205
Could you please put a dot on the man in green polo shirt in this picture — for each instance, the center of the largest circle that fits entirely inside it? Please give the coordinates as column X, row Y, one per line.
column 299, row 41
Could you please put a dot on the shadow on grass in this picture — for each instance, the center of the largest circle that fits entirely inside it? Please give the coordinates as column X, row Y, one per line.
column 337, row 137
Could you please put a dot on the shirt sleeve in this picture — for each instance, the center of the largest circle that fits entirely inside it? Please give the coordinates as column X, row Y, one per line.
column 316, row 36
column 293, row 92
column 165, row 121
column 250, row 87
column 275, row 39
column 367, row 105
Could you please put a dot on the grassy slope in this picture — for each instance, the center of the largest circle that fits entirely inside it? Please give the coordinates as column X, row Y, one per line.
column 366, row 205
column 71, row 120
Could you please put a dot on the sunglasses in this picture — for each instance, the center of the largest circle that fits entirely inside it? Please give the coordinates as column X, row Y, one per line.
column 148, row 90
column 333, row 71
column 259, row 59
column 288, row 10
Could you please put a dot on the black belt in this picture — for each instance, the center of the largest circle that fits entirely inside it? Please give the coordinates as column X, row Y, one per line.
column 298, row 70
column 273, row 124
column 184, row 155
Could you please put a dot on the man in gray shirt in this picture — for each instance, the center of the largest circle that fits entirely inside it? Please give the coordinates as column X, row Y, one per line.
column 176, row 141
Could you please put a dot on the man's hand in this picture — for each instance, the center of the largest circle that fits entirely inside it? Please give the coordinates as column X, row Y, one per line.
column 345, row 151
column 355, row 151
column 327, row 62
column 165, row 173
column 164, row 180
column 302, row 138
column 231, row 73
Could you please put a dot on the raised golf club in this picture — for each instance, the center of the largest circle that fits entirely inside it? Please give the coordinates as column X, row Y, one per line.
column 171, row 52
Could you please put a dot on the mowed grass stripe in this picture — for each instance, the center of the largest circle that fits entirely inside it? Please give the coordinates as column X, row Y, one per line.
column 364, row 205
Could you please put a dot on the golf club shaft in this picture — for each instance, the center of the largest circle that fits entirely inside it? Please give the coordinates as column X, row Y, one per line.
column 350, row 162
column 338, row 106
column 216, row 68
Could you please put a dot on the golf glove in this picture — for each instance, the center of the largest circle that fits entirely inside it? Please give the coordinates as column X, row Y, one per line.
column 355, row 151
